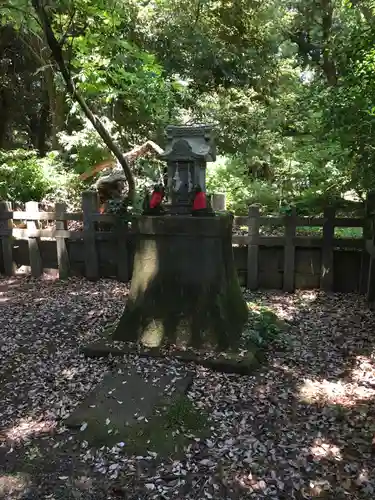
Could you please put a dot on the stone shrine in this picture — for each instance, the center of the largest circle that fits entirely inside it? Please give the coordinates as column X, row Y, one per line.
column 187, row 152
column 184, row 290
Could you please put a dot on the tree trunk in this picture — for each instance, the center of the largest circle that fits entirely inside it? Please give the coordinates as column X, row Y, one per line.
column 38, row 126
column 184, row 288
column 57, row 54
column 56, row 106
column 56, row 99
column 43, row 129
column 4, row 114
column 328, row 66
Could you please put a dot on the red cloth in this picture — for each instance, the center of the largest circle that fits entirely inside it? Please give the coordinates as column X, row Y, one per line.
column 155, row 199
column 200, row 201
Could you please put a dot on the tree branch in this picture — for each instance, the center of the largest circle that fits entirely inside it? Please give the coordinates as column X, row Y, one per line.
column 23, row 11
column 57, row 54
column 28, row 44
column 65, row 35
column 365, row 11
column 136, row 152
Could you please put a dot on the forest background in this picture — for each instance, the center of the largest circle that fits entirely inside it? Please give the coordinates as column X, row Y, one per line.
column 287, row 85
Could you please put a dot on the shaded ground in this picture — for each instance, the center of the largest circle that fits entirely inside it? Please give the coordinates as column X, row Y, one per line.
column 300, row 428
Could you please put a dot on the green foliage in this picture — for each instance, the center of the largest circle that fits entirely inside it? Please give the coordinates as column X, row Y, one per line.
column 263, row 325
column 65, row 186
column 82, row 149
column 166, row 431
column 120, row 75
column 26, row 177
column 183, row 415
column 289, row 87
column 22, row 177
column 229, row 175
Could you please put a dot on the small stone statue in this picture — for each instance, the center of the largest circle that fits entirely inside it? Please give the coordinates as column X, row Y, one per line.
column 200, row 206
column 153, row 205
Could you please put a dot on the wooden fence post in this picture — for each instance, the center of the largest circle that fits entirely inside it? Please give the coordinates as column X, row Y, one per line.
column 122, row 251
column 326, row 279
column 218, row 201
column 6, row 225
column 61, row 247
column 289, row 252
column 90, row 205
column 366, row 236
column 369, row 215
column 369, row 234
column 370, row 295
column 34, row 251
column 367, row 280
column 253, row 248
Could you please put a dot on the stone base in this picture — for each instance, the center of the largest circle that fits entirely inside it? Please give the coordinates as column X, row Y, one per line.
column 243, row 364
column 185, row 290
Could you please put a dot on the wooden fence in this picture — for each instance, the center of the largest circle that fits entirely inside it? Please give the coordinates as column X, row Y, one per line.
column 102, row 246
column 88, row 235
column 327, row 243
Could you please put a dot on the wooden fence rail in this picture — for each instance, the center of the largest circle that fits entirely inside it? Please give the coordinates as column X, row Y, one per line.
column 290, row 241
column 93, row 230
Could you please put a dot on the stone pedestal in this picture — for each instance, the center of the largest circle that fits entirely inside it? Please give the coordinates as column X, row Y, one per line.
column 184, row 289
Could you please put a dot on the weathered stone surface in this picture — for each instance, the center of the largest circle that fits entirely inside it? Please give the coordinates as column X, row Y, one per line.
column 185, row 289
column 122, row 400
column 186, row 142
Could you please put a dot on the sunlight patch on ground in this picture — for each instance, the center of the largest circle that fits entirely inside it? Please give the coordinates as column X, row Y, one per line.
column 48, row 274
column 345, row 394
column 69, row 373
column 283, row 312
column 288, row 310
column 13, row 486
column 309, row 295
column 363, row 476
column 285, row 368
column 250, row 482
column 364, row 372
column 318, row 487
column 324, row 449
column 28, row 428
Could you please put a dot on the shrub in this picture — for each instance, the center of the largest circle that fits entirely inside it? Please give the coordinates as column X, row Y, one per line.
column 229, row 176
column 263, row 325
column 64, row 185
column 25, row 177
column 83, row 148
column 22, row 177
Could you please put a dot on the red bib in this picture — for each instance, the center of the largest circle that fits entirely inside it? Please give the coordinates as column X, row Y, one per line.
column 155, row 199
column 200, row 201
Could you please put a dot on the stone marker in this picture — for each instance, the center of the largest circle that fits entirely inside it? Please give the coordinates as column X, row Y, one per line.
column 122, row 400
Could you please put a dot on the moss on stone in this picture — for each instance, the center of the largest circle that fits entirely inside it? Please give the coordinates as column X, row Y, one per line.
column 166, row 431
column 185, row 289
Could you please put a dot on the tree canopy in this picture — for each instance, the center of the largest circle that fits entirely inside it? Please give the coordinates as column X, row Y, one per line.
column 288, row 85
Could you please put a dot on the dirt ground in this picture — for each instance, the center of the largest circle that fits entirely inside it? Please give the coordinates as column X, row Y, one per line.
column 299, row 428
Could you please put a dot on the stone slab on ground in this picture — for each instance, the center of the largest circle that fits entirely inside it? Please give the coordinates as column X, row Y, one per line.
column 243, row 364
column 122, row 400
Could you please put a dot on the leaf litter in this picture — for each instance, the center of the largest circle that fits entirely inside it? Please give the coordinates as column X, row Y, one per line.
column 301, row 427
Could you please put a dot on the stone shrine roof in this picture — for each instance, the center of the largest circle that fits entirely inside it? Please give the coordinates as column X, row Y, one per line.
column 189, row 143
